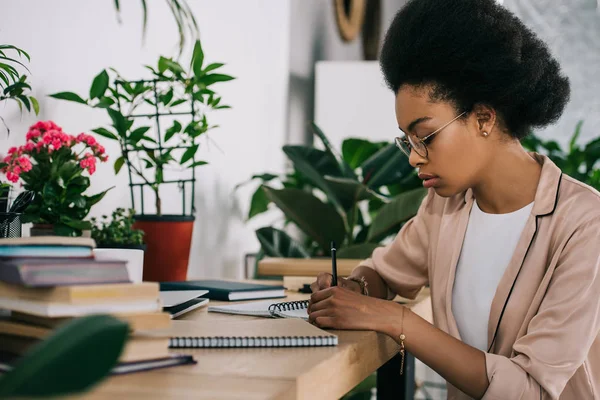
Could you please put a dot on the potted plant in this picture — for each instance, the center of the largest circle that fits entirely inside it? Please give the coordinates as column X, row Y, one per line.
column 116, row 239
column 54, row 165
column 158, row 158
column 13, row 84
column 358, row 198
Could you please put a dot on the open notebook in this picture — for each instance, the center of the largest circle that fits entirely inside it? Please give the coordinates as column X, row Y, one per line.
column 288, row 309
column 254, row 333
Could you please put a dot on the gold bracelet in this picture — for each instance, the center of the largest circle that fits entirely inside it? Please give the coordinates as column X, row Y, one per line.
column 362, row 282
column 402, row 337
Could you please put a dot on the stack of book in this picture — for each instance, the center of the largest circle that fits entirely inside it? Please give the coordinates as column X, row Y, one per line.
column 46, row 281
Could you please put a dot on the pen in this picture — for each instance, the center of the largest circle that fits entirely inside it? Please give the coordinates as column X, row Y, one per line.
column 333, row 265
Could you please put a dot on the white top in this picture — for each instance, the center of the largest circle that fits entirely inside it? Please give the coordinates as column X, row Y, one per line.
column 488, row 246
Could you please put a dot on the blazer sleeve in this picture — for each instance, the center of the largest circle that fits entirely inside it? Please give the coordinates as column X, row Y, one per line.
column 560, row 335
column 403, row 263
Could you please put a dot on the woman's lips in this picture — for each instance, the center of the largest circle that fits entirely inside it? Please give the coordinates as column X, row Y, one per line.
column 429, row 180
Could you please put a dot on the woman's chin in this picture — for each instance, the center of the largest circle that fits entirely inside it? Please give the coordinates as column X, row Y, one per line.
column 445, row 191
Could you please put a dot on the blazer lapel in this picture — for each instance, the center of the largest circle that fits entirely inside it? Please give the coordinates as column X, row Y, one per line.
column 544, row 203
column 455, row 225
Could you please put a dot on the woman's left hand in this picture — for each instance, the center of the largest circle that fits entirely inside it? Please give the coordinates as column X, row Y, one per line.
column 340, row 308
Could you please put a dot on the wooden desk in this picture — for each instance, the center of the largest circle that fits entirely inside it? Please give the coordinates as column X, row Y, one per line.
column 255, row 373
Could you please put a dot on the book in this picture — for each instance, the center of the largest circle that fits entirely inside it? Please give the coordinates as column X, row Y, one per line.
column 276, row 266
column 226, row 290
column 255, row 333
column 47, row 309
column 175, row 297
column 80, row 294
column 289, row 309
column 41, row 272
column 137, row 321
column 48, row 241
column 137, row 348
column 46, row 251
column 185, row 307
column 7, row 361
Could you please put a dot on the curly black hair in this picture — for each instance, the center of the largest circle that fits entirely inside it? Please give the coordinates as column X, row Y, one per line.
column 475, row 51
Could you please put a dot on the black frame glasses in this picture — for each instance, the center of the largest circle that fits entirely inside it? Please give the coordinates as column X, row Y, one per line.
column 412, row 142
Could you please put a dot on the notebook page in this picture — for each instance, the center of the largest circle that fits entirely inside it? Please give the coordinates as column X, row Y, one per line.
column 258, row 309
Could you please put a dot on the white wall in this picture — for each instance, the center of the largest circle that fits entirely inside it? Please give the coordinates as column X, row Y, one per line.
column 70, row 41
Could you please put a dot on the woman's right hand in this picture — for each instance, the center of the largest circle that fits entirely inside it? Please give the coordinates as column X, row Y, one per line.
column 324, row 280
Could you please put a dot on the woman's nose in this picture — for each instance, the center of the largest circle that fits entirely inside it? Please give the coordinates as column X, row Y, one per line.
column 415, row 159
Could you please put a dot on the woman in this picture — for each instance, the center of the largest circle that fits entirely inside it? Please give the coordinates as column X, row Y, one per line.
column 508, row 244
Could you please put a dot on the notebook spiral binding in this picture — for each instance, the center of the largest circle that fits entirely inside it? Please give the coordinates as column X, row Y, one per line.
column 280, row 341
column 288, row 306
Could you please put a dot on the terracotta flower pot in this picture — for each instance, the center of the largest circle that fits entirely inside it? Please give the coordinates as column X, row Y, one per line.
column 168, row 239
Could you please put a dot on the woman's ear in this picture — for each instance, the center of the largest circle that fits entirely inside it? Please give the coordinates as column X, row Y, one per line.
column 485, row 117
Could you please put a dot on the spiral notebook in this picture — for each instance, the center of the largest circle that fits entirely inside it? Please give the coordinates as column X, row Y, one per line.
column 255, row 333
column 288, row 309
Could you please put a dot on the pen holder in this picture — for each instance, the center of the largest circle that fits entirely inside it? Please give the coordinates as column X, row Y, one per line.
column 10, row 225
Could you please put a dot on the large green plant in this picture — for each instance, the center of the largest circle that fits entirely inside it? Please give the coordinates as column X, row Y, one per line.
column 73, row 359
column 178, row 91
column 13, row 83
column 578, row 161
column 356, row 199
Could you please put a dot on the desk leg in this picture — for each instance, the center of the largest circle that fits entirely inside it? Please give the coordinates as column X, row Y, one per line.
column 392, row 385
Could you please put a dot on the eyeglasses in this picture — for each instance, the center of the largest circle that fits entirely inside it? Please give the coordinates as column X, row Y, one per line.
column 408, row 141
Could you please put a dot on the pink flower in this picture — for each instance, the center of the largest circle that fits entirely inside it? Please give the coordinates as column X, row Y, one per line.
column 81, row 137
column 12, row 150
column 12, row 177
column 7, row 159
column 17, row 170
column 57, row 143
column 24, row 163
column 47, row 138
column 29, row 147
column 90, row 140
column 33, row 134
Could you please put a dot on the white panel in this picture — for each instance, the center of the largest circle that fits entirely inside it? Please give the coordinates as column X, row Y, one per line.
column 352, row 100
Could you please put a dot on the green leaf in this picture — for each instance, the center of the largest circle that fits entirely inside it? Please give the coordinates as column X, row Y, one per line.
column 167, row 97
column 105, row 102
column 25, row 101
column 389, row 218
column 344, row 167
column 119, row 121
column 348, row 191
column 138, row 134
column 212, row 67
column 61, row 364
column 573, row 141
column 318, row 220
column 176, row 128
column 197, row 59
column 35, row 104
column 178, row 102
column 314, row 165
column 91, row 200
column 106, row 133
column 356, row 151
column 99, row 85
column 189, row 154
column 119, row 164
column 214, row 78
column 385, row 167
column 259, row 203
column 168, row 64
column 69, row 96
column 358, row 251
column 277, row 243
column 197, row 164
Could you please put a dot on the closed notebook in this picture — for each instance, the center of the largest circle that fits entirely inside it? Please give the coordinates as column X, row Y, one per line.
column 288, row 309
column 255, row 333
column 226, row 290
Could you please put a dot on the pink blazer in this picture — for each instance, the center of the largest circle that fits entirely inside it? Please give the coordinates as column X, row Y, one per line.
column 544, row 325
